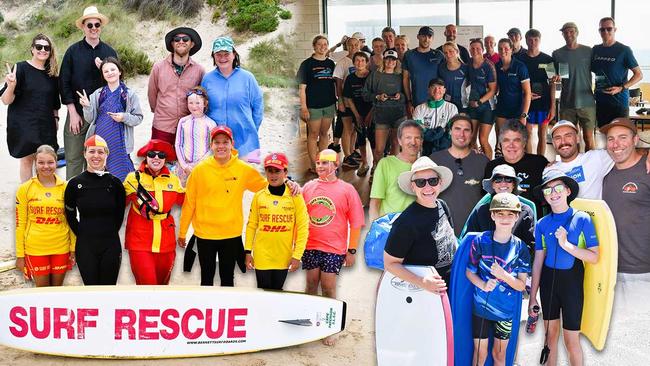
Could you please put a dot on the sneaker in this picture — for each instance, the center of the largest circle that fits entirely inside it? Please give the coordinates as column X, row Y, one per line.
column 335, row 147
column 349, row 162
column 356, row 155
column 363, row 170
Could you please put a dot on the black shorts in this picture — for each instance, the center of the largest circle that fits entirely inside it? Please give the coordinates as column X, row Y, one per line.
column 483, row 113
column 364, row 133
column 567, row 295
column 606, row 112
column 481, row 328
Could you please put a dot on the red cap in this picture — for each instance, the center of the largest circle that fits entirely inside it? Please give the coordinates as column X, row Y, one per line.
column 158, row 145
column 221, row 129
column 276, row 160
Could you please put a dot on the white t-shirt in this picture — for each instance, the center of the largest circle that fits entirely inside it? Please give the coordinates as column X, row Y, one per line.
column 434, row 117
column 344, row 67
column 588, row 169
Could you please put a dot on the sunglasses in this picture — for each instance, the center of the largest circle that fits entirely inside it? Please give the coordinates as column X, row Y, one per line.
column 182, row 38
column 91, row 25
column 557, row 189
column 41, row 47
column 502, row 179
column 605, row 29
column 152, row 154
column 459, row 167
column 421, row 182
column 194, row 91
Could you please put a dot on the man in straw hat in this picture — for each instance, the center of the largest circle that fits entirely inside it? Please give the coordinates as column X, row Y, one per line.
column 79, row 73
column 425, row 225
column 171, row 79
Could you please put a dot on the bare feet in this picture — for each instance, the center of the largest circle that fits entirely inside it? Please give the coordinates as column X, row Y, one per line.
column 329, row 341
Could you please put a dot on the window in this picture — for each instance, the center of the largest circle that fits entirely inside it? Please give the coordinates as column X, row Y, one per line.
column 422, row 12
column 345, row 17
column 496, row 17
column 631, row 16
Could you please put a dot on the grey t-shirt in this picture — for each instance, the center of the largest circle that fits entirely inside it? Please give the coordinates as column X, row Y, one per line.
column 627, row 192
column 465, row 190
column 576, row 90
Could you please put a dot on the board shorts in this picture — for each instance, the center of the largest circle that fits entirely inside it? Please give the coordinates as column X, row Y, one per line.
column 387, row 118
column 326, row 262
column 538, row 117
column 567, row 294
column 44, row 265
column 483, row 113
column 481, row 328
column 585, row 117
column 606, row 112
column 325, row 112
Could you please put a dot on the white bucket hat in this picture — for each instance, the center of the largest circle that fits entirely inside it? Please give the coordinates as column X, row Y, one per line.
column 424, row 163
column 91, row 12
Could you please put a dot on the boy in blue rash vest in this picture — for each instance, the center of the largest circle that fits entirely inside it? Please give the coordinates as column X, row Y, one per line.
column 563, row 239
column 498, row 266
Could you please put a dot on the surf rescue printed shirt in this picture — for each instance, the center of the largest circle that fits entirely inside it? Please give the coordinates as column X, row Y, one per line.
column 277, row 229
column 332, row 207
column 514, row 257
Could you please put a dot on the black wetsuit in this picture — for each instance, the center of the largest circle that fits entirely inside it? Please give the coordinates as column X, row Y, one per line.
column 100, row 201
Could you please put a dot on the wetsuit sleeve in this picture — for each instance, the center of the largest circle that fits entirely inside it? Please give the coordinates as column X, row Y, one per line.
column 21, row 220
column 539, row 239
column 120, row 203
column 70, row 200
column 253, row 223
column 302, row 227
column 474, row 255
column 588, row 232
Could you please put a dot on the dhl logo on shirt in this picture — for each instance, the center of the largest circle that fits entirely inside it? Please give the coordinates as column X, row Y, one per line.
column 275, row 228
column 48, row 220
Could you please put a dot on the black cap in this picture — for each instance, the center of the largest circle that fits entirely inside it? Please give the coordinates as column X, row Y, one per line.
column 194, row 36
column 425, row 31
column 514, row 31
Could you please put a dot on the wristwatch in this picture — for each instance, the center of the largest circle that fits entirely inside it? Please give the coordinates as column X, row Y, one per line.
column 352, row 251
column 524, row 115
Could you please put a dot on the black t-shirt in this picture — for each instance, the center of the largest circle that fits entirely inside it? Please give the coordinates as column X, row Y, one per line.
column 353, row 89
column 417, row 237
column 318, row 76
column 529, row 168
column 538, row 79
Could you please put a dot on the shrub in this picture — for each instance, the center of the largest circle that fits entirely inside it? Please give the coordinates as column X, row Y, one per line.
column 216, row 15
column 285, row 14
column 133, row 62
column 260, row 16
column 11, row 26
column 3, row 40
column 272, row 64
column 2, row 18
column 164, row 9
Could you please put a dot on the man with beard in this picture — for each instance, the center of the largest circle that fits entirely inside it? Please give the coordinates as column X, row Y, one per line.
column 529, row 167
column 588, row 168
column 468, row 168
column 170, row 80
column 450, row 36
column 420, row 65
column 385, row 194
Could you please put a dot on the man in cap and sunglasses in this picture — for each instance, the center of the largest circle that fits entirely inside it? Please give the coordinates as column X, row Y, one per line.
column 171, row 79
column 423, row 234
column 80, row 73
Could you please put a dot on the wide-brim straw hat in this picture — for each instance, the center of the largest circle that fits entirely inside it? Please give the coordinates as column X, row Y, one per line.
column 91, row 12
column 424, row 163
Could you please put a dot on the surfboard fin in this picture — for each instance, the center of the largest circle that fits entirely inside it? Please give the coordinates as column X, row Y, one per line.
column 300, row 322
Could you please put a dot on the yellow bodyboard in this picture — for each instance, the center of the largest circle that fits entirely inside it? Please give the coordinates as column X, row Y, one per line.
column 600, row 278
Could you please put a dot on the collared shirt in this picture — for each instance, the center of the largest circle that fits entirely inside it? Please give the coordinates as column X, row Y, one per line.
column 168, row 92
column 79, row 72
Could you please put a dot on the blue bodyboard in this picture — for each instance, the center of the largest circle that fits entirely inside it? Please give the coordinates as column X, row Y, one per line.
column 373, row 246
column 461, row 298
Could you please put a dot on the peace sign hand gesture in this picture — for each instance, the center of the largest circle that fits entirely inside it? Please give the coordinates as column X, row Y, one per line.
column 10, row 78
column 83, row 99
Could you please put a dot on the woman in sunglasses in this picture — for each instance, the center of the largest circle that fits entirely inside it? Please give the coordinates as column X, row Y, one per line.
column 503, row 180
column 32, row 92
column 113, row 111
column 193, row 134
column 564, row 239
column 423, row 234
column 151, row 192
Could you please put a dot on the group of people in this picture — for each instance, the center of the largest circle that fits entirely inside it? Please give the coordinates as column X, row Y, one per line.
column 186, row 101
column 369, row 92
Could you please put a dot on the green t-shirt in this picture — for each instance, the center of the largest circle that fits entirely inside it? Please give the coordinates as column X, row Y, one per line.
column 385, row 187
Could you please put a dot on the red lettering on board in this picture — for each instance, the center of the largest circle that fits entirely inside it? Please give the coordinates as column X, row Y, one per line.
column 234, row 322
column 167, row 321
column 185, row 327
column 66, row 324
column 144, row 324
column 21, row 328
column 208, row 324
column 121, row 325
column 82, row 323
column 33, row 320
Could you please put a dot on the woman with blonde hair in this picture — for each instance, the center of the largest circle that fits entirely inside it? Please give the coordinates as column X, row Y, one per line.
column 45, row 245
column 32, row 92
column 454, row 72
